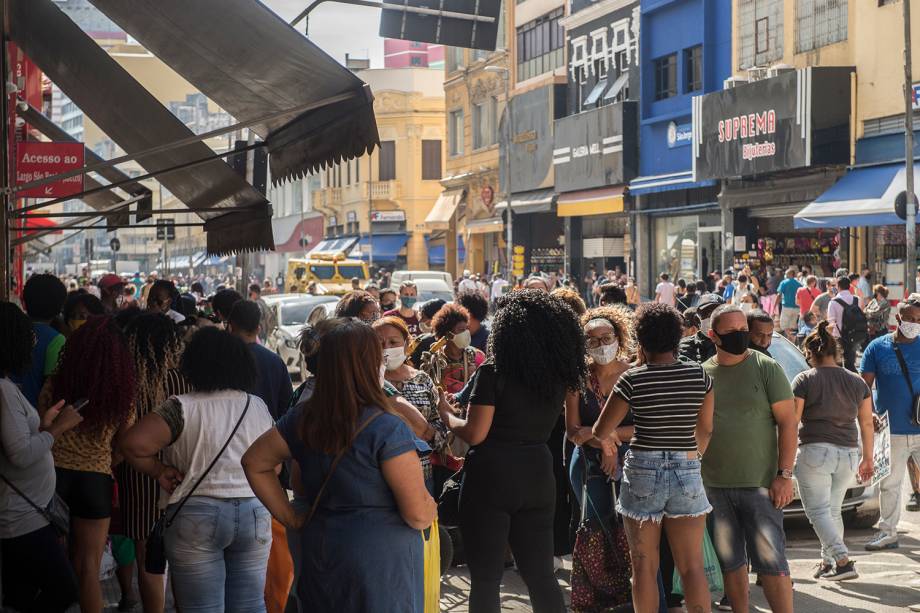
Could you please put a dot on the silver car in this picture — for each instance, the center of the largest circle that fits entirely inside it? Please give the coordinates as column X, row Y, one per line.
column 860, row 504
column 292, row 313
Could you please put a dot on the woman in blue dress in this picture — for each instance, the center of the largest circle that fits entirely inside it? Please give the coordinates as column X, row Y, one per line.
column 360, row 550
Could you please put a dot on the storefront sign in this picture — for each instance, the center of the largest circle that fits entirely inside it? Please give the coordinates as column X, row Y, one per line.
column 596, row 148
column 794, row 120
column 388, row 216
column 36, row 161
column 532, row 141
column 679, row 135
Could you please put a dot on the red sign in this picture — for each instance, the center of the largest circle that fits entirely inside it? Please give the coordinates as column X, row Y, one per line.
column 35, row 161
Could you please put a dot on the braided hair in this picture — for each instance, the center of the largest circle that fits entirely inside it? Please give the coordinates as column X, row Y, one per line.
column 96, row 364
column 156, row 344
column 820, row 344
column 534, row 340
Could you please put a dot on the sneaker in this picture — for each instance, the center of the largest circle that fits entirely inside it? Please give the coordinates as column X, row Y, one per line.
column 724, row 604
column 913, row 504
column 882, row 541
column 847, row 571
column 822, row 568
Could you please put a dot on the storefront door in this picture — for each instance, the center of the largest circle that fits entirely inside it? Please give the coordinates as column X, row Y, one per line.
column 710, row 255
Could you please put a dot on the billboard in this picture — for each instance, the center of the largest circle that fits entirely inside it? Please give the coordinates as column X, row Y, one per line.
column 596, row 148
column 532, row 116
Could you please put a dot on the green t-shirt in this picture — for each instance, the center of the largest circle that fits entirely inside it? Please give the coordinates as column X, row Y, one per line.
column 743, row 450
column 53, row 354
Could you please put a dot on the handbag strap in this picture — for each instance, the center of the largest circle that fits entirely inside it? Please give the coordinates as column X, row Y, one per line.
column 904, row 371
column 43, row 512
column 335, row 463
column 211, row 465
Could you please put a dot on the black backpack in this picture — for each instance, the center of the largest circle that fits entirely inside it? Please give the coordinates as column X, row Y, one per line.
column 854, row 327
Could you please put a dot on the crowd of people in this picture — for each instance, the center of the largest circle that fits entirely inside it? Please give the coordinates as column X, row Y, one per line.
column 164, row 425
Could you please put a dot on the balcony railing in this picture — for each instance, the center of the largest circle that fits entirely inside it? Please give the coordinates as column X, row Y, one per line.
column 383, row 190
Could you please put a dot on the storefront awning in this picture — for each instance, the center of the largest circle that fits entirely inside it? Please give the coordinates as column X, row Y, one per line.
column 443, row 209
column 250, row 62
column 484, row 226
column 539, row 201
column 331, row 247
column 436, row 253
column 641, row 186
column 591, row 202
column 383, row 247
column 862, row 197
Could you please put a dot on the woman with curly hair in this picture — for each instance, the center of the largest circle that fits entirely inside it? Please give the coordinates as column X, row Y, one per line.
column 508, row 493
column 462, row 360
column 156, row 345
column 95, row 365
column 672, row 404
column 358, row 304
column 608, row 337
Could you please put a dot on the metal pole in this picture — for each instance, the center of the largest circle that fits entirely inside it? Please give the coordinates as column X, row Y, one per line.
column 910, row 278
column 509, row 227
column 4, row 169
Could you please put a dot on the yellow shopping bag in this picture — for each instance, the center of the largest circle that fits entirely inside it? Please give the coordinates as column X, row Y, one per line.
column 432, row 545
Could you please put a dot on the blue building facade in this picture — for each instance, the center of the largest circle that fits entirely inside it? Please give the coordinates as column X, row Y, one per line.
column 685, row 51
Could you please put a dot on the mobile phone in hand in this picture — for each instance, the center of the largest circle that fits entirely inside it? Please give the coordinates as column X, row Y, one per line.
column 79, row 404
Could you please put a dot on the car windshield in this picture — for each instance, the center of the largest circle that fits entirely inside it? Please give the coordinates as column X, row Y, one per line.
column 296, row 313
column 352, row 271
column 323, row 272
column 445, row 296
column 788, row 356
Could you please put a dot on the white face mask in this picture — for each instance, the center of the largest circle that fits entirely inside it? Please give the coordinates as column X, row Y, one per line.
column 909, row 330
column 383, row 372
column 605, row 354
column 463, row 340
column 394, row 357
column 705, row 325
column 746, row 307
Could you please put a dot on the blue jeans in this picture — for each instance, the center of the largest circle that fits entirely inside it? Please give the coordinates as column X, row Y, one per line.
column 218, row 554
column 585, row 465
column 824, row 472
column 659, row 484
column 746, row 527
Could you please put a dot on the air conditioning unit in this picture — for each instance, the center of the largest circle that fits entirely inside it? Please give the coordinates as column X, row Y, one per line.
column 777, row 69
column 732, row 82
column 757, row 74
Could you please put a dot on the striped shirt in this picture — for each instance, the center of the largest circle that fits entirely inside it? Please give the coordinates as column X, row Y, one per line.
column 665, row 401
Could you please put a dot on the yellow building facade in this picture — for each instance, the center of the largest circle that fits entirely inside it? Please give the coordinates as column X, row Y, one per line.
column 398, row 183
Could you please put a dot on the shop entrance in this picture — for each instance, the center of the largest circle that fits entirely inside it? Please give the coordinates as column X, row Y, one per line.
column 710, row 245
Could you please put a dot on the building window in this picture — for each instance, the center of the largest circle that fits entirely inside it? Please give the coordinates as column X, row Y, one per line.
column 480, row 54
column 455, row 136
column 500, row 39
column 760, row 27
column 693, row 69
column 454, row 59
column 540, row 46
column 357, row 170
column 666, row 77
column 348, row 172
column 387, row 161
column 819, row 23
column 431, row 160
column 415, row 60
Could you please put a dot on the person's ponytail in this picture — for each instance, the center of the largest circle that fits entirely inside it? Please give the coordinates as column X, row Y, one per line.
column 821, row 343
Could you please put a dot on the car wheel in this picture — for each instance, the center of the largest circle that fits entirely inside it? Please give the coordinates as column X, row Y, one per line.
column 857, row 518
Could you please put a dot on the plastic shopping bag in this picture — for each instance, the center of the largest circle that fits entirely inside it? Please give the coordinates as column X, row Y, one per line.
column 710, row 566
column 432, row 574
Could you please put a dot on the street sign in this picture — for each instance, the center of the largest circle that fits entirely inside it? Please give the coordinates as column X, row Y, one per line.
column 115, row 244
column 166, row 229
column 36, row 161
column 462, row 27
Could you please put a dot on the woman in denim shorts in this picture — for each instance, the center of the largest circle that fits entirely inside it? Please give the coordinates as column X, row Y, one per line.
column 672, row 405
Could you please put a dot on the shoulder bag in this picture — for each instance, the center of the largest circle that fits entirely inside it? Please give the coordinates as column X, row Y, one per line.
column 56, row 513
column 915, row 399
column 155, row 558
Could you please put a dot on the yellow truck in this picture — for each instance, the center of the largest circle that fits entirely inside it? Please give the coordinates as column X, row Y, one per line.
column 332, row 274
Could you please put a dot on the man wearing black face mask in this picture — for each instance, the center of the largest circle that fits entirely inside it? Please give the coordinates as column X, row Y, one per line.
column 699, row 347
column 761, row 326
column 747, row 469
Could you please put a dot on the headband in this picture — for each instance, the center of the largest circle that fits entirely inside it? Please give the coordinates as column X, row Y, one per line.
column 598, row 322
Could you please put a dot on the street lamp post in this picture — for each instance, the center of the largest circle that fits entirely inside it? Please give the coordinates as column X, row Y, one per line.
column 910, row 260
column 509, row 225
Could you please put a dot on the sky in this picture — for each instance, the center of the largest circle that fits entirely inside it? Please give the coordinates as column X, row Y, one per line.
column 338, row 28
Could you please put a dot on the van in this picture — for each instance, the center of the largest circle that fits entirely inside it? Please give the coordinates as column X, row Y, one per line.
column 332, row 273
column 414, row 275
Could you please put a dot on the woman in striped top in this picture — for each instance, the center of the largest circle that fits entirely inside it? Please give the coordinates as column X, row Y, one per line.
column 672, row 406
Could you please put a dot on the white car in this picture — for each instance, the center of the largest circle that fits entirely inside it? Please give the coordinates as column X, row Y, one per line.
column 417, row 275
column 292, row 312
column 429, row 289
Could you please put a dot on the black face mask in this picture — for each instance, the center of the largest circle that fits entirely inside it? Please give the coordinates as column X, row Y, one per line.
column 735, row 343
column 387, row 307
column 763, row 350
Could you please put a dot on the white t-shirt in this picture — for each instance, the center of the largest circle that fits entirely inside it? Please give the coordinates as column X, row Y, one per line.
column 665, row 290
column 498, row 288
column 467, row 285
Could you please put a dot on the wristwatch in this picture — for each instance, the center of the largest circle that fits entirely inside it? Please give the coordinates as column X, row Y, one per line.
column 785, row 473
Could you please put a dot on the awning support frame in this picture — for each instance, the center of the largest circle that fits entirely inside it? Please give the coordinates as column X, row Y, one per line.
column 305, row 14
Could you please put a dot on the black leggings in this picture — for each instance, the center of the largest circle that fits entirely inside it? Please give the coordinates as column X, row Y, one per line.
column 508, row 497
column 36, row 573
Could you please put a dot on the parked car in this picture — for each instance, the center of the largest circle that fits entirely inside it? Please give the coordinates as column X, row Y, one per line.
column 429, row 289
column 291, row 313
column 860, row 504
column 415, row 275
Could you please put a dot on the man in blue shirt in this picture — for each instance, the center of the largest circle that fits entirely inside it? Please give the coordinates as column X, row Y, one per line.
column 789, row 313
column 43, row 297
column 880, row 365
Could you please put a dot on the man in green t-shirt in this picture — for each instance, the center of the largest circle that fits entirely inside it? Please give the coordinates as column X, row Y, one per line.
column 747, row 469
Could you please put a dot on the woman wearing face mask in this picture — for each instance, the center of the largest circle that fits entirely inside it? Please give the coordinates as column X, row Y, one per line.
column 79, row 307
column 608, row 336
column 747, row 301
column 829, row 400
column 387, row 300
column 408, row 296
column 461, row 360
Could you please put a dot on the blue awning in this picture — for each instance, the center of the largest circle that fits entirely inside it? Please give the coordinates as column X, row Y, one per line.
column 641, row 186
column 862, row 197
column 436, row 253
column 384, row 247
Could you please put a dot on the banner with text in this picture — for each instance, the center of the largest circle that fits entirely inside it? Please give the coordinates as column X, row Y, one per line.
column 36, row 161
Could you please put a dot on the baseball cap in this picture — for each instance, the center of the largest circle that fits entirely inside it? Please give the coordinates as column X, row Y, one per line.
column 109, row 281
column 707, row 300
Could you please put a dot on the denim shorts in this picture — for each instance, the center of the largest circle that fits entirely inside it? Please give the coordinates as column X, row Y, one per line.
column 658, row 484
column 745, row 525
